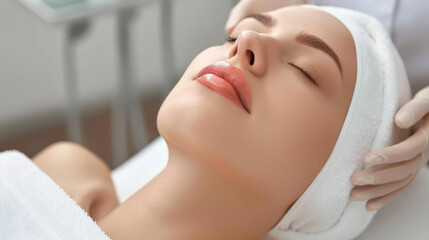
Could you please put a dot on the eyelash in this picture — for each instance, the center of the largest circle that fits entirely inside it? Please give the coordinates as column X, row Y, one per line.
column 231, row 39
column 308, row 75
column 303, row 71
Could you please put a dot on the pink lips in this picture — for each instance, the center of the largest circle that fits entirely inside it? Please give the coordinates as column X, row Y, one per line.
column 228, row 81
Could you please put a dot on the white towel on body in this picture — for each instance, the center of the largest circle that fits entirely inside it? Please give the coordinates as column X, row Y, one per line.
column 324, row 211
column 33, row 206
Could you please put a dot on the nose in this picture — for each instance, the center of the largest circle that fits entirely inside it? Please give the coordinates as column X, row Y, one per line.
column 249, row 51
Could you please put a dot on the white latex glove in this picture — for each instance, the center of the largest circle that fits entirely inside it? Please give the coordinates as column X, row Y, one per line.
column 397, row 165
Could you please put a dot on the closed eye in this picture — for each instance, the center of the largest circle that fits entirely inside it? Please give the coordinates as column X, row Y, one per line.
column 301, row 69
column 304, row 72
column 231, row 39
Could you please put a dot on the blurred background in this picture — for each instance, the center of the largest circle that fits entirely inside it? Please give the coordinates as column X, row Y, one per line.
column 96, row 71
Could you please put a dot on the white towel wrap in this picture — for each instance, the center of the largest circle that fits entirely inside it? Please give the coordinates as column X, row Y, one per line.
column 33, row 206
column 325, row 211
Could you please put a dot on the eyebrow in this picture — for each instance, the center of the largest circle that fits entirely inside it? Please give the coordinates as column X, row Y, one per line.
column 316, row 42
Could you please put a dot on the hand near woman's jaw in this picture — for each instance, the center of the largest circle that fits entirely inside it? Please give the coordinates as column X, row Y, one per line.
column 397, row 165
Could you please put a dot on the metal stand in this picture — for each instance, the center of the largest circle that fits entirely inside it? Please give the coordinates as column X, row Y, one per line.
column 126, row 104
column 167, row 51
column 125, row 107
column 74, row 32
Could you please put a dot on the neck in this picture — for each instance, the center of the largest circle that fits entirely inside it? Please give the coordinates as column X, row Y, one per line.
column 190, row 200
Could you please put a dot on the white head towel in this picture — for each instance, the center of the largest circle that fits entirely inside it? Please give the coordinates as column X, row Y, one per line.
column 325, row 211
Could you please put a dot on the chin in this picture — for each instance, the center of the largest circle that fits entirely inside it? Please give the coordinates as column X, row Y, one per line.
column 197, row 119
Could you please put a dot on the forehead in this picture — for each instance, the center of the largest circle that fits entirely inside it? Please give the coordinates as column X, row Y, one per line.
column 323, row 25
column 319, row 22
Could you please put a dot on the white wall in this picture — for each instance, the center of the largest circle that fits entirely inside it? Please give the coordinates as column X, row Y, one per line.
column 32, row 91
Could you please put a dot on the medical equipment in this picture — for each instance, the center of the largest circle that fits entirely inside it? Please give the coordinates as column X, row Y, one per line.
column 74, row 15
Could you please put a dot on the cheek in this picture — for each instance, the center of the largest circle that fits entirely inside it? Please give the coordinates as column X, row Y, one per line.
column 297, row 128
column 307, row 119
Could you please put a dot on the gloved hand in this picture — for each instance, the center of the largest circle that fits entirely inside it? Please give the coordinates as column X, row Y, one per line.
column 397, row 164
column 245, row 8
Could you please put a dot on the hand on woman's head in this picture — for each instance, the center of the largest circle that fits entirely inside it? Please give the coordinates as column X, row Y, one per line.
column 397, row 165
column 300, row 65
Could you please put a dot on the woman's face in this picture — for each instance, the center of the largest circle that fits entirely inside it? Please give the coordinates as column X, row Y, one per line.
column 278, row 141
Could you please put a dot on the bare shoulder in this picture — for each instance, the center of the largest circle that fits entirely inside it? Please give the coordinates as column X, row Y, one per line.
column 82, row 174
column 72, row 157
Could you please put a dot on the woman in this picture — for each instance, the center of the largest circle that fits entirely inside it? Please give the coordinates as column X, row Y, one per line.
column 238, row 126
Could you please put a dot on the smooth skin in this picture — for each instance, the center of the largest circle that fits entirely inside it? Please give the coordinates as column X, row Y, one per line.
column 233, row 174
column 82, row 175
column 394, row 167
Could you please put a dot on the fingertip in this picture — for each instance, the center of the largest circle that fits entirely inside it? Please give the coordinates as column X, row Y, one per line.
column 404, row 118
column 353, row 179
column 365, row 180
column 400, row 124
column 376, row 158
column 359, row 196
column 354, row 197
column 373, row 206
column 368, row 157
